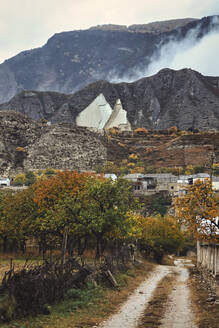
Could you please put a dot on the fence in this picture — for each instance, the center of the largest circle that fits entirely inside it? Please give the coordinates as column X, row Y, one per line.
column 208, row 257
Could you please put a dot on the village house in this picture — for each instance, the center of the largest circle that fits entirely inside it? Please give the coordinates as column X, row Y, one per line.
column 148, row 184
column 179, row 188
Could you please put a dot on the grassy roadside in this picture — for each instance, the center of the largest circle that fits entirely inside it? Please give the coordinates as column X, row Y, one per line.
column 206, row 312
column 88, row 307
column 155, row 311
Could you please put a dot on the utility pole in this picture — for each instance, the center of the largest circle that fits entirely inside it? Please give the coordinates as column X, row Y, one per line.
column 212, row 159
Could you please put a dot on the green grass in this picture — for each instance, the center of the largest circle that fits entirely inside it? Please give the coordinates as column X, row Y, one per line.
column 75, row 299
column 87, row 307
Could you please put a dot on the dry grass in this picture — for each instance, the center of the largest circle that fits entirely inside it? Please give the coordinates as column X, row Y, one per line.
column 18, row 262
column 96, row 310
column 157, row 306
column 206, row 313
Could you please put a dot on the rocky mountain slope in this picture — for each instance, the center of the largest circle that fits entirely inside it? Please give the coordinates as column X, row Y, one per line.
column 162, row 149
column 29, row 145
column 71, row 60
column 183, row 98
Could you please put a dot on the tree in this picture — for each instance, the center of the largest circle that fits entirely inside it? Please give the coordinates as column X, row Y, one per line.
column 30, row 178
column 55, row 197
column 198, row 210
column 89, row 206
column 158, row 235
column 18, row 214
column 160, row 204
column 48, row 192
column 106, row 212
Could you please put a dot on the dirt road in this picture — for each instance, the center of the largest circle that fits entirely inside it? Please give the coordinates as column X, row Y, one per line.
column 178, row 313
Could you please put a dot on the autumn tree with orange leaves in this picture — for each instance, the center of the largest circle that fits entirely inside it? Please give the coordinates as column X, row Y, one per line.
column 54, row 197
column 85, row 205
column 198, row 210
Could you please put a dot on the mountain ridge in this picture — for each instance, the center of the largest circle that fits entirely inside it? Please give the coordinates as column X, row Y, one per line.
column 184, row 98
column 70, row 60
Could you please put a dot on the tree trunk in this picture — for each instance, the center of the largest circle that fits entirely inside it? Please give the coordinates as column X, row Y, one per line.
column 5, row 244
column 98, row 248
column 82, row 246
column 64, row 245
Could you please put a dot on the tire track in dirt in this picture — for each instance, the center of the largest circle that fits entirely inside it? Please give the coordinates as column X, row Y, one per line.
column 130, row 312
column 178, row 312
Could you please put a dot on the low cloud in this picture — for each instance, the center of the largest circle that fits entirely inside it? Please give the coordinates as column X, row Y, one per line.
column 191, row 52
column 199, row 55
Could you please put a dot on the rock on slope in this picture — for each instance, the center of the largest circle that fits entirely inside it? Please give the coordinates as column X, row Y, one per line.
column 183, row 98
column 71, row 60
column 28, row 145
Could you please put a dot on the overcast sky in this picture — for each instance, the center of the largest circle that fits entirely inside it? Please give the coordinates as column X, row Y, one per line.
column 26, row 24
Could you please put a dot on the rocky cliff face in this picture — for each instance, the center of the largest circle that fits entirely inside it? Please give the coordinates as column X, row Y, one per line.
column 28, row 145
column 183, row 98
column 71, row 60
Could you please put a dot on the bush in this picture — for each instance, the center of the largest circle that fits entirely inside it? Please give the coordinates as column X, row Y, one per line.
column 159, row 236
column 140, row 131
column 30, row 178
column 19, row 180
column 33, row 289
column 49, row 172
column 172, row 130
column 20, row 149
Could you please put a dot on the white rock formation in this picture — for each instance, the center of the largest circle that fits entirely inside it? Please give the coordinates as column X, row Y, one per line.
column 118, row 118
column 96, row 114
column 99, row 115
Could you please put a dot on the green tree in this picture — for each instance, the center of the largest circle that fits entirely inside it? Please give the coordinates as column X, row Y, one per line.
column 159, row 236
column 109, row 203
column 30, row 178
column 160, row 205
column 18, row 214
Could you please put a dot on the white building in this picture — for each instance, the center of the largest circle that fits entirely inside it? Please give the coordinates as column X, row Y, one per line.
column 4, row 182
column 215, row 183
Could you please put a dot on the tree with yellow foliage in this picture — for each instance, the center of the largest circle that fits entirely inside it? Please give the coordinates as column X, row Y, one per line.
column 158, row 235
column 198, row 210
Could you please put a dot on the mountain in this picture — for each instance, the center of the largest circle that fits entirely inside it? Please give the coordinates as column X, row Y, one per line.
column 29, row 145
column 71, row 60
column 183, row 98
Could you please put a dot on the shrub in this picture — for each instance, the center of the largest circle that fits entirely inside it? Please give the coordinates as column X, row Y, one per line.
column 49, row 172
column 172, row 130
column 30, row 178
column 113, row 131
column 133, row 157
column 199, row 169
column 20, row 149
column 140, row 131
column 19, row 180
column 216, row 168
